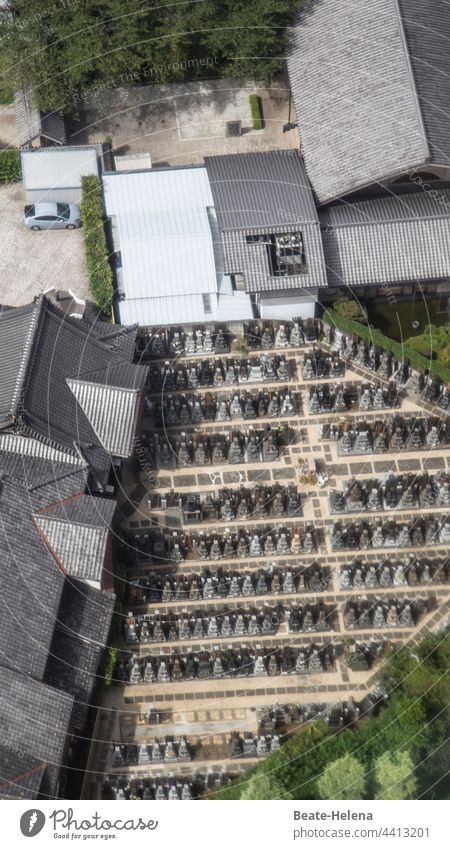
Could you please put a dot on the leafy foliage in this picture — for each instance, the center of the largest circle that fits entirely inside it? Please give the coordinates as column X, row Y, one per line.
column 394, row 774
column 10, row 166
column 409, row 733
column 264, row 786
column 111, row 661
column 350, row 308
column 343, row 779
column 69, row 48
column 99, row 269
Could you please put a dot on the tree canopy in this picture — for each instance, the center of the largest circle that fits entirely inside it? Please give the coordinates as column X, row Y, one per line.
column 401, row 753
column 394, row 775
column 76, row 46
column 343, row 779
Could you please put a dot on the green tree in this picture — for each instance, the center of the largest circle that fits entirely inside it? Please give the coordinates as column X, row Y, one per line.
column 70, row 48
column 394, row 776
column 343, row 779
column 351, row 309
column 264, row 786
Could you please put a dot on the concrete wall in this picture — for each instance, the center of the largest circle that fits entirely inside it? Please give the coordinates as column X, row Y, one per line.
column 58, row 195
column 287, row 307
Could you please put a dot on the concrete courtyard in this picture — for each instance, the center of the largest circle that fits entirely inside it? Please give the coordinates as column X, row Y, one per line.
column 30, row 262
column 180, row 124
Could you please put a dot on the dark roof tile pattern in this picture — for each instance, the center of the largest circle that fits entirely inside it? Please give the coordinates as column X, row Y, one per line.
column 265, row 194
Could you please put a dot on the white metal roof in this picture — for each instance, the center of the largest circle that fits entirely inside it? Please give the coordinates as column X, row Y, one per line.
column 57, row 167
column 162, row 222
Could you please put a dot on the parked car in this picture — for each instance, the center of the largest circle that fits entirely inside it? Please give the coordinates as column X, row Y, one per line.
column 52, row 216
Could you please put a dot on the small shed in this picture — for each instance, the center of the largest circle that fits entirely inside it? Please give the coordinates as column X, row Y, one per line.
column 36, row 128
column 54, row 173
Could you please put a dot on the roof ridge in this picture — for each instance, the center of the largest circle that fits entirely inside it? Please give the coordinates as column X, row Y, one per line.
column 27, row 356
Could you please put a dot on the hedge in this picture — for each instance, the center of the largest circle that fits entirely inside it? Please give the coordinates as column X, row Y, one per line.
column 10, row 166
column 401, row 352
column 256, row 110
column 99, row 269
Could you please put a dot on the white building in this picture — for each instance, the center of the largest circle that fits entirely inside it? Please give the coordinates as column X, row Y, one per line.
column 169, row 264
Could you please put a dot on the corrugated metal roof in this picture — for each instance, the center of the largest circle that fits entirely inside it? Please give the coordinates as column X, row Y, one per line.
column 354, row 94
column 178, row 309
column 57, row 167
column 165, row 240
column 262, row 189
column 387, row 240
column 111, row 412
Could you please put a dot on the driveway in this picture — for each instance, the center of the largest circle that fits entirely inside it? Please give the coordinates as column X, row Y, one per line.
column 32, row 262
column 181, row 124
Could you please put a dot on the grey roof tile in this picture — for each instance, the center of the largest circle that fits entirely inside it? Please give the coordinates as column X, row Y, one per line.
column 354, row 93
column 265, row 194
column 17, row 328
column 391, row 239
column 427, row 30
column 76, row 532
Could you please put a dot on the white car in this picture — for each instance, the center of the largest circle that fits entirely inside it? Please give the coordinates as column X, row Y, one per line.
column 52, row 216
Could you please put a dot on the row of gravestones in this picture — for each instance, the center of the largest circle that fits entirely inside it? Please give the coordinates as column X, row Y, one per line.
column 265, row 542
column 228, row 663
column 203, row 340
column 329, row 399
column 160, row 751
column 180, row 410
column 168, row 377
column 147, row 789
column 199, row 625
column 410, row 573
column 227, row 504
column 393, row 437
column 163, row 589
column 362, row 535
column 390, row 613
column 403, row 492
column 234, row 449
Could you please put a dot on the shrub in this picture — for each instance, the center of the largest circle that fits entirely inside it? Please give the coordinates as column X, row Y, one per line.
column 256, row 110
column 351, row 308
column 99, row 269
column 10, row 166
column 401, row 352
column 111, row 661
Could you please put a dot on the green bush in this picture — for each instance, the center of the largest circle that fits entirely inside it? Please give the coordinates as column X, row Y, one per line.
column 10, row 166
column 401, row 352
column 256, row 110
column 351, row 308
column 99, row 269
column 111, row 661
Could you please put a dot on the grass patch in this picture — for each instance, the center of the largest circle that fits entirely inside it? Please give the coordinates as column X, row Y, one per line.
column 256, row 110
column 397, row 321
